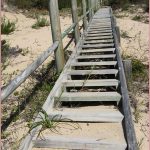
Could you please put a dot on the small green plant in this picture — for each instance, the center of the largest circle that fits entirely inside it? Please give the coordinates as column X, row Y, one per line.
column 5, row 48
column 7, row 26
column 137, row 18
column 138, row 69
column 24, row 51
column 124, row 34
column 139, row 144
column 40, row 22
column 51, row 123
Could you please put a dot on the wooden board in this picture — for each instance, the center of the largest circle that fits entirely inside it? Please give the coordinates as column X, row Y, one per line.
column 89, row 96
column 85, row 83
column 96, row 56
column 96, row 72
column 102, row 63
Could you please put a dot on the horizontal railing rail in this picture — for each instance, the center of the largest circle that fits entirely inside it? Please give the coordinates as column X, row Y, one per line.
column 65, row 33
column 15, row 83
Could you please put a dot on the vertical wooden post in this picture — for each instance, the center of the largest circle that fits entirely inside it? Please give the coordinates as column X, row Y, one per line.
column 56, row 34
column 92, row 7
column 90, row 10
column 127, row 64
column 75, row 20
column 84, row 12
column 118, row 34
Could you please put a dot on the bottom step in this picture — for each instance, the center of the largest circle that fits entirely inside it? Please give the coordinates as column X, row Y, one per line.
column 90, row 136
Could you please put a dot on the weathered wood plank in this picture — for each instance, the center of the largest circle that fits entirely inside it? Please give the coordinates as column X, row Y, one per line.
column 78, row 83
column 101, row 31
column 107, row 45
column 95, row 72
column 98, row 41
column 78, row 143
column 96, row 56
column 97, row 50
column 102, row 63
column 98, row 34
column 99, row 38
column 89, row 96
column 107, row 115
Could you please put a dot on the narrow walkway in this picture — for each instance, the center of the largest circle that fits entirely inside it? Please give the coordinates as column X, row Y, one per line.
column 87, row 92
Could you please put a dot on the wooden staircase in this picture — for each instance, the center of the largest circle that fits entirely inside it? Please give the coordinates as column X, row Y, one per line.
column 88, row 92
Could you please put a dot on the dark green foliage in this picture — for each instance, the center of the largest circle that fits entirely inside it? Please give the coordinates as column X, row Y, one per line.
column 41, row 4
column 138, row 68
column 7, row 26
column 137, row 18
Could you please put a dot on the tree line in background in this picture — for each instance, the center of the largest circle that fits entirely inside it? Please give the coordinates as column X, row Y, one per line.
column 43, row 4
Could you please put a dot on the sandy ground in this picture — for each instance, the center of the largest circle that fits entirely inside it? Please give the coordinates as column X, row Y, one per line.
column 37, row 41
column 136, row 44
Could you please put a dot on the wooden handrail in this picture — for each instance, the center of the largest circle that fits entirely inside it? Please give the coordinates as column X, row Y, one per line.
column 15, row 83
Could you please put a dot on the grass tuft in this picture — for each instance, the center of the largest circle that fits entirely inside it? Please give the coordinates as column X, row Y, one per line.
column 53, row 124
column 7, row 26
column 40, row 22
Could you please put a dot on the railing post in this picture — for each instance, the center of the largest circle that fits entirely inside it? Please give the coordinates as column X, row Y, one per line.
column 90, row 10
column 84, row 13
column 75, row 20
column 56, row 34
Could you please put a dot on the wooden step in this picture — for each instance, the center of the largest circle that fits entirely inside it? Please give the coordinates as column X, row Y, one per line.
column 96, row 56
column 86, row 83
column 99, row 37
column 101, row 26
column 102, row 63
column 98, row 41
column 101, row 31
column 93, row 72
column 89, row 96
column 97, row 50
column 99, row 113
column 98, row 45
column 90, row 136
column 98, row 34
